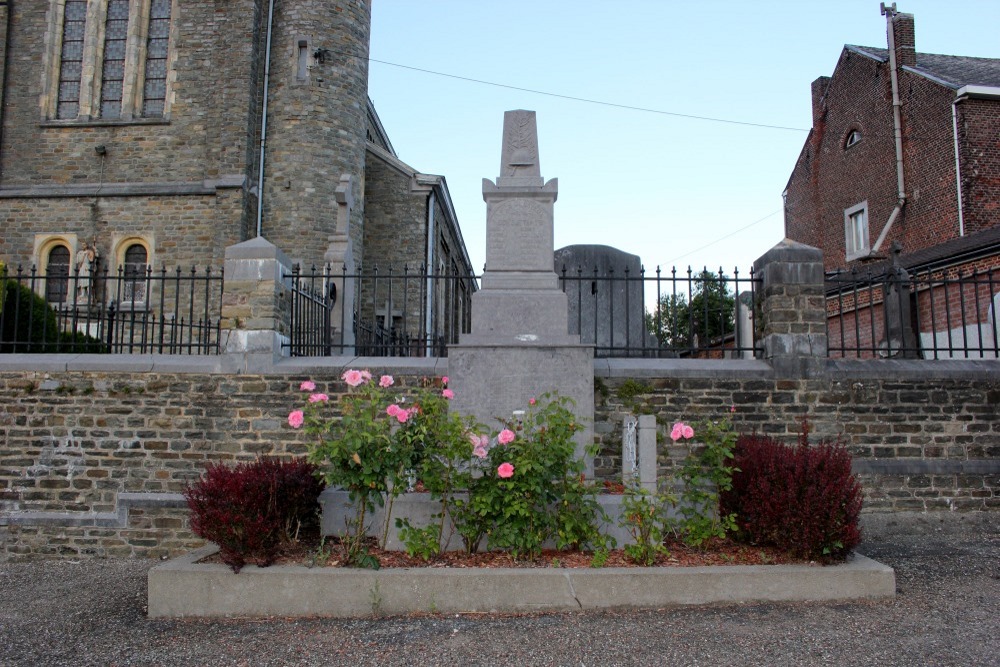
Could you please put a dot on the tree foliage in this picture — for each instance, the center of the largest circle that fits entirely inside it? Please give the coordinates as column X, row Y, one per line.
column 695, row 319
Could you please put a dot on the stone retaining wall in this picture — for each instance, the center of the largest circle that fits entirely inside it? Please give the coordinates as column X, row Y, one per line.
column 94, row 452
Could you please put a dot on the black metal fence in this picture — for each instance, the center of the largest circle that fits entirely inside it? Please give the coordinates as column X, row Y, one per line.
column 121, row 312
column 694, row 314
column 398, row 313
column 942, row 314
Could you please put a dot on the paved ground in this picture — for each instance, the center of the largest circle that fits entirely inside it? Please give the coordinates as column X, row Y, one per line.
column 947, row 612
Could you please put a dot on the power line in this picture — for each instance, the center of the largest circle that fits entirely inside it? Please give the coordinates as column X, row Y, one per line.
column 723, row 238
column 587, row 100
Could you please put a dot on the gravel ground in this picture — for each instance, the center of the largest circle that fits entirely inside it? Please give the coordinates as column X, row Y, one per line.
column 946, row 612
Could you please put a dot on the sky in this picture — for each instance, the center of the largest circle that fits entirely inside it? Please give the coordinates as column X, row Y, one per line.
column 704, row 106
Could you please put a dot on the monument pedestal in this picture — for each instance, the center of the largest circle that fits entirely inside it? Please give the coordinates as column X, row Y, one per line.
column 519, row 346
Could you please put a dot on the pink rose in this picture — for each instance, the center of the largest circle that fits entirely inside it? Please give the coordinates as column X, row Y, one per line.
column 386, row 381
column 402, row 416
column 681, row 430
column 296, row 418
column 479, row 451
column 505, row 470
column 393, row 410
column 677, row 431
column 318, row 398
column 308, row 385
column 531, row 401
column 448, row 393
column 479, row 440
column 505, row 436
column 353, row 377
column 366, row 375
column 444, row 379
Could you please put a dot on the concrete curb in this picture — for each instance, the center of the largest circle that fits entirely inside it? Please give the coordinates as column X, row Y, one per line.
column 182, row 587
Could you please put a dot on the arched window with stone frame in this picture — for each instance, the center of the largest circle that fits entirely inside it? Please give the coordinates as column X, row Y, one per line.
column 134, row 272
column 57, row 272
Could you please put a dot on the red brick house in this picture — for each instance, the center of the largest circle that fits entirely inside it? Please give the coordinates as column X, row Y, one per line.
column 904, row 152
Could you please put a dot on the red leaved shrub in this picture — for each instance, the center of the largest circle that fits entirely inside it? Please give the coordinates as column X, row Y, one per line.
column 800, row 498
column 253, row 509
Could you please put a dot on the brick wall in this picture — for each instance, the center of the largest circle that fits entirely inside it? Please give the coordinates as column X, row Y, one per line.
column 830, row 177
column 97, row 457
column 917, row 440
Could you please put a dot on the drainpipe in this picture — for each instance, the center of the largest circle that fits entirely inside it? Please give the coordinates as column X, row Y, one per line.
column 958, row 165
column 263, row 120
column 896, row 127
column 429, row 325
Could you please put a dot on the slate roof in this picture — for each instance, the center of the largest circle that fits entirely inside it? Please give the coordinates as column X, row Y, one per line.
column 953, row 71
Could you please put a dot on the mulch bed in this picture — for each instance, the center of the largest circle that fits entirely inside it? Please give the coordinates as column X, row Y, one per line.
column 307, row 551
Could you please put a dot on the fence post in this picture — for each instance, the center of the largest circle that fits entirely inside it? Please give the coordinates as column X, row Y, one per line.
column 256, row 305
column 792, row 307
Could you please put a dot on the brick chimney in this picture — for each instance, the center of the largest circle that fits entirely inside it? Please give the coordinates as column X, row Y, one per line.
column 819, row 87
column 904, row 35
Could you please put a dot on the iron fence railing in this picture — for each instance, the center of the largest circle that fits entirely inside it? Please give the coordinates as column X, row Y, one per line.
column 932, row 314
column 391, row 312
column 120, row 312
column 627, row 313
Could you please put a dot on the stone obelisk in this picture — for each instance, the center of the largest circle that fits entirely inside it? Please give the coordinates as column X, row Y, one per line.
column 519, row 346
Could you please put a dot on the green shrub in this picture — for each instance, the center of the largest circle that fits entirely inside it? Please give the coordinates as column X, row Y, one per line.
column 800, row 498
column 29, row 323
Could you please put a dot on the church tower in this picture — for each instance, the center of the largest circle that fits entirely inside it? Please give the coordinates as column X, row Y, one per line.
column 315, row 130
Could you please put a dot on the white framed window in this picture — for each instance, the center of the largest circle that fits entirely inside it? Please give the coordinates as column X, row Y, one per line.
column 108, row 60
column 856, row 240
column 853, row 138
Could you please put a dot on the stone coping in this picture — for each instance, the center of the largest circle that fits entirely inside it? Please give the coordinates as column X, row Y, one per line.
column 185, row 588
column 839, row 369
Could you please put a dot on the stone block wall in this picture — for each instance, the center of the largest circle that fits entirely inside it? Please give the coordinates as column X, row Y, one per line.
column 92, row 463
column 920, row 440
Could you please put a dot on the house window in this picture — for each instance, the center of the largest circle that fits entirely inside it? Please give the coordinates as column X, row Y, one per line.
column 57, row 274
column 110, row 59
column 856, row 231
column 853, row 137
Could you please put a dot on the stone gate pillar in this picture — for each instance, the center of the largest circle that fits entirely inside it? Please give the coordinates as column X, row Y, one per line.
column 792, row 307
column 256, row 313
column 519, row 346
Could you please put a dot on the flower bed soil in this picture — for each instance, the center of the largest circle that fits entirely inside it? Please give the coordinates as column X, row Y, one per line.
column 309, row 551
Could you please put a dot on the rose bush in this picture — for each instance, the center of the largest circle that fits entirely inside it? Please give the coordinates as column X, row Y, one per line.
column 516, row 488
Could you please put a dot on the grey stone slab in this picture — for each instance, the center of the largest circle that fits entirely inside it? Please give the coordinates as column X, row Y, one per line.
column 256, row 248
column 184, row 588
column 923, row 369
column 491, row 382
column 604, row 291
column 54, row 363
column 337, row 511
column 694, row 368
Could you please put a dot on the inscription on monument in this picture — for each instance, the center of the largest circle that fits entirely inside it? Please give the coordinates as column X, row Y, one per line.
column 518, row 236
